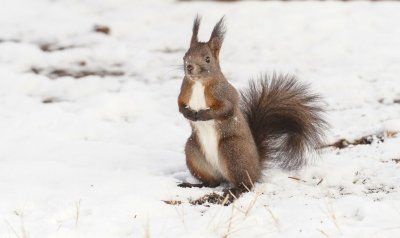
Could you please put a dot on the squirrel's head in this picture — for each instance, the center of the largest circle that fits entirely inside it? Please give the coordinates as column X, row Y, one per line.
column 201, row 61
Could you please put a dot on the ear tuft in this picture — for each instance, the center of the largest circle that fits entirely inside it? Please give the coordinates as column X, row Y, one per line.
column 196, row 26
column 217, row 36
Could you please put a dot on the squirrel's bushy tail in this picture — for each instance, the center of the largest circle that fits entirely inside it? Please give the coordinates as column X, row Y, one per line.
column 286, row 120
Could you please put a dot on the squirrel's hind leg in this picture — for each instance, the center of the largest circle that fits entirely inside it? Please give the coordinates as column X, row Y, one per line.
column 242, row 163
column 199, row 167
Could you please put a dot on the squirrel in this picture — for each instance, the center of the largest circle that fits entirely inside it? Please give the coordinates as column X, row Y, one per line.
column 276, row 119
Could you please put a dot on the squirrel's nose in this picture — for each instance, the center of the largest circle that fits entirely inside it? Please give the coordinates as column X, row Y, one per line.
column 189, row 68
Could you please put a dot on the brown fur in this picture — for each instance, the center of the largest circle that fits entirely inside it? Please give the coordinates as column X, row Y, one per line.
column 186, row 92
column 197, row 164
column 285, row 119
column 246, row 129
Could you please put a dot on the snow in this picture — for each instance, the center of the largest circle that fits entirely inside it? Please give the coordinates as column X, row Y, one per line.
column 99, row 158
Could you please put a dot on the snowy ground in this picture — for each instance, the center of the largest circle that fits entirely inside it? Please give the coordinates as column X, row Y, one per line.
column 95, row 156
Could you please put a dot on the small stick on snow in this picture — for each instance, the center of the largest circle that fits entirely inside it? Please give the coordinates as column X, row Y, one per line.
column 298, row 179
column 323, row 233
column 78, row 211
column 230, row 223
column 320, row 181
column 251, row 181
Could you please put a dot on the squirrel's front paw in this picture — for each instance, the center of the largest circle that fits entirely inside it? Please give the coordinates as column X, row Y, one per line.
column 204, row 115
column 190, row 114
column 201, row 115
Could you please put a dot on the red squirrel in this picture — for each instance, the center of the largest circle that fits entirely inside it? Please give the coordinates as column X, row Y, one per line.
column 276, row 119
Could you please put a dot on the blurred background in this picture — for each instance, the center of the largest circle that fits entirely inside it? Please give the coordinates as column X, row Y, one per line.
column 89, row 119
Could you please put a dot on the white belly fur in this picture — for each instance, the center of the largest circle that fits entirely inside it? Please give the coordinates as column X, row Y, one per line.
column 205, row 130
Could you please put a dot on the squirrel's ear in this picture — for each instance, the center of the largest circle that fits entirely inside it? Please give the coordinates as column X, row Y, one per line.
column 217, row 37
column 196, row 25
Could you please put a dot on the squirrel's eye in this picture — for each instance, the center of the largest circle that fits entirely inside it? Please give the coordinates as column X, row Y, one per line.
column 207, row 59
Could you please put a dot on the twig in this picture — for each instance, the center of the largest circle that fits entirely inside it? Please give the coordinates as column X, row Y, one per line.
column 323, row 233
column 320, row 181
column 276, row 220
column 332, row 215
column 251, row 182
column 298, row 179
column 253, row 202
column 147, row 230
column 78, row 208
column 230, row 223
